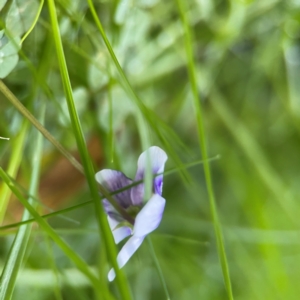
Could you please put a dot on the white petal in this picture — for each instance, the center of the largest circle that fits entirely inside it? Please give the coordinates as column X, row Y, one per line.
column 149, row 217
column 111, row 275
column 121, row 233
column 126, row 252
column 157, row 159
column 112, row 223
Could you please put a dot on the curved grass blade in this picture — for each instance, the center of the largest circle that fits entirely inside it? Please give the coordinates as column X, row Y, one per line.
column 151, row 118
column 56, row 288
column 158, row 268
column 203, row 147
column 28, row 115
column 13, row 166
column 88, row 167
column 17, row 251
column 255, row 154
column 34, row 22
column 81, row 265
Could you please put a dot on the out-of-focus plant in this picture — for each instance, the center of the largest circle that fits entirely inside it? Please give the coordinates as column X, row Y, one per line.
column 127, row 67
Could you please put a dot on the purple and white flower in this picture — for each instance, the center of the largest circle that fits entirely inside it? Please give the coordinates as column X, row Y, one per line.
column 146, row 218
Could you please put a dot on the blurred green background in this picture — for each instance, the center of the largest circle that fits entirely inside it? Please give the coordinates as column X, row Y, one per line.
column 247, row 60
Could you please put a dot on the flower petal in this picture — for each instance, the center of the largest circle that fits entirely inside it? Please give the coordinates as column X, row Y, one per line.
column 111, row 211
column 149, row 217
column 113, row 181
column 120, row 233
column 157, row 158
column 126, row 252
column 111, row 275
column 112, row 222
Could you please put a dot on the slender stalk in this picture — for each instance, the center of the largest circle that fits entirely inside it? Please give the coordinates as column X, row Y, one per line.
column 81, row 265
column 111, row 122
column 203, row 147
column 17, row 251
column 13, row 166
column 87, row 164
column 34, row 22
column 56, row 288
column 28, row 115
column 149, row 116
column 158, row 268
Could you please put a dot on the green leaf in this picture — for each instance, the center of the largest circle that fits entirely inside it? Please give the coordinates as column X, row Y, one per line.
column 2, row 3
column 20, row 16
column 8, row 54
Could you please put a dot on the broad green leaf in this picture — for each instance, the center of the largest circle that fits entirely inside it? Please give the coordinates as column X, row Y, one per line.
column 2, row 3
column 8, row 54
column 20, row 16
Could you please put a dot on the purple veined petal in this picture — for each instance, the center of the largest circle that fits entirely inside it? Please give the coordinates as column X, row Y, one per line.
column 157, row 158
column 125, row 254
column 149, row 217
column 113, row 181
column 112, row 212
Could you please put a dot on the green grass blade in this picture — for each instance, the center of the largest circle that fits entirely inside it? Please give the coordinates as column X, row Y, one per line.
column 148, row 179
column 34, row 22
column 158, row 268
column 151, row 118
column 28, row 115
column 51, row 259
column 255, row 154
column 203, row 147
column 87, row 164
column 17, row 251
column 13, row 166
column 81, row 265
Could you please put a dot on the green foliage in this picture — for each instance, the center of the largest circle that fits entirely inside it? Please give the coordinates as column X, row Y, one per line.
column 127, row 71
column 20, row 16
column 18, row 19
column 8, row 54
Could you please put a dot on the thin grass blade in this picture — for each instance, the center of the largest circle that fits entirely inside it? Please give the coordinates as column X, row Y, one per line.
column 86, row 161
column 17, row 251
column 203, row 147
